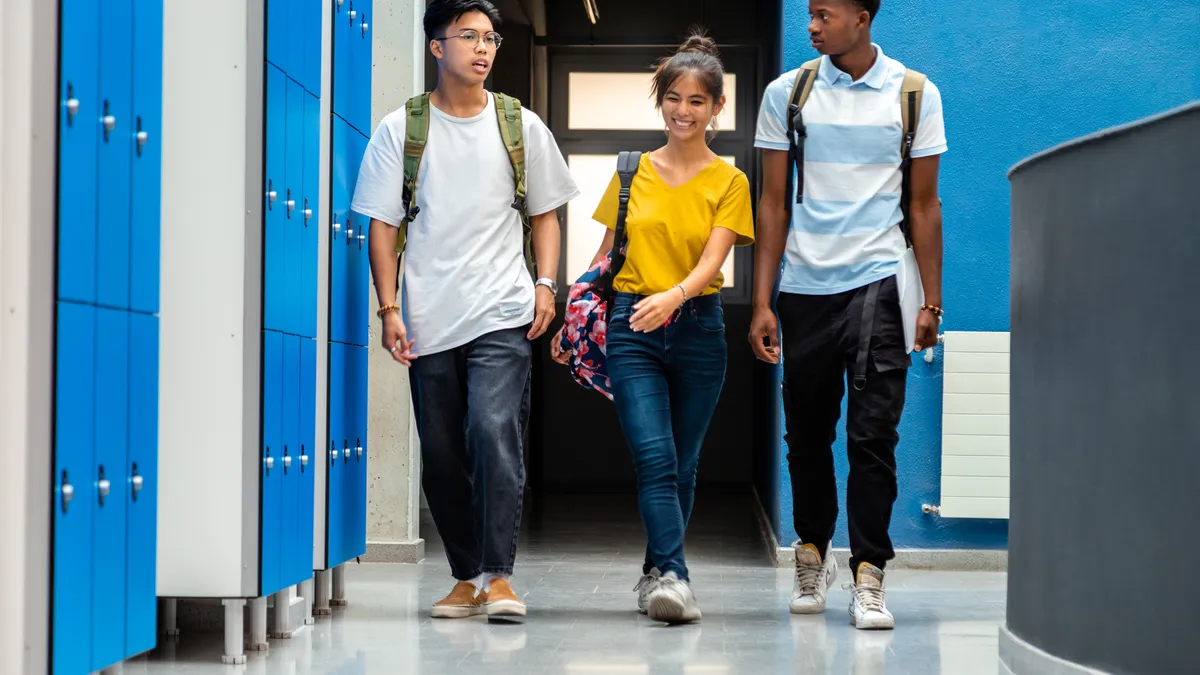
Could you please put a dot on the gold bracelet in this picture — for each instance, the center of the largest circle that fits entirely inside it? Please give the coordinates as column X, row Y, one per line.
column 387, row 308
column 933, row 308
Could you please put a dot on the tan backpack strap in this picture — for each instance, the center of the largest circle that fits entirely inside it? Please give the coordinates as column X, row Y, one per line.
column 512, row 132
column 910, row 109
column 803, row 85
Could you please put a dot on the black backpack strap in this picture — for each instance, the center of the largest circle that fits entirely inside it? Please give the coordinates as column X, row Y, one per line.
column 627, row 168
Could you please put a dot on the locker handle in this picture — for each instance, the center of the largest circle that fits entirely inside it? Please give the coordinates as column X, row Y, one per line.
column 337, row 227
column 303, row 458
column 103, row 486
column 361, row 239
column 272, row 195
column 291, row 203
column 109, row 121
column 287, row 460
column 72, row 104
column 269, row 462
column 345, row 451
column 353, row 16
column 333, row 453
column 142, row 136
column 68, row 492
column 341, row 2
column 349, row 234
column 359, row 450
column 365, row 25
column 136, row 481
column 307, row 212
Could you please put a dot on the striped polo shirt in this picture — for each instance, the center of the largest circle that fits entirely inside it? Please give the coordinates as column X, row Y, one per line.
column 846, row 234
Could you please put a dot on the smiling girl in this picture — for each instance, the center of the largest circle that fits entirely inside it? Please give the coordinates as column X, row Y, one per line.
column 666, row 348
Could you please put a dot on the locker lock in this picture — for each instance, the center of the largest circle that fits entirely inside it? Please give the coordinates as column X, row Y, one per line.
column 349, row 234
column 291, row 203
column 333, row 453
column 365, row 25
column 307, row 215
column 103, row 487
column 272, row 195
column 72, row 104
column 141, row 136
column 346, row 453
column 303, row 459
column 359, row 451
column 136, row 481
column 68, row 492
column 269, row 462
column 337, row 227
column 287, row 459
column 353, row 16
column 109, row 122
column 361, row 239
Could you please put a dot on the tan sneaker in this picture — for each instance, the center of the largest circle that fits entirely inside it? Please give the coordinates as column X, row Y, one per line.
column 462, row 602
column 502, row 603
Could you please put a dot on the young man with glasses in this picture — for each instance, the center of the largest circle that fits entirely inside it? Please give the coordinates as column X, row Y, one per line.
column 471, row 302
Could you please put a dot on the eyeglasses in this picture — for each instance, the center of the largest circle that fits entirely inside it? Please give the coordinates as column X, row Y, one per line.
column 491, row 39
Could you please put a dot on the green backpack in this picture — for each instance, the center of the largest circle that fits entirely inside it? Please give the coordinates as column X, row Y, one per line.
column 416, row 134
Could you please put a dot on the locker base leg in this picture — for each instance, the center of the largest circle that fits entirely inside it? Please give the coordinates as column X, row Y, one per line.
column 321, row 594
column 306, row 592
column 281, row 615
column 235, row 611
column 258, row 625
column 168, row 609
column 339, row 587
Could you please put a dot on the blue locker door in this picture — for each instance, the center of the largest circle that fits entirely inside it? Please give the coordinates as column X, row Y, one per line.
column 116, row 154
column 78, row 140
column 340, row 224
column 362, row 68
column 291, row 466
column 341, row 58
column 109, row 472
column 294, row 237
column 275, row 207
column 147, row 159
column 312, row 209
column 361, row 452
column 272, row 466
column 141, row 486
column 74, row 489
column 278, row 27
column 312, row 49
column 334, row 489
column 353, row 70
column 307, row 433
column 297, row 41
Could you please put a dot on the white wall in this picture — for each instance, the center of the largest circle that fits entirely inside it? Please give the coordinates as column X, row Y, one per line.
column 394, row 482
column 27, row 132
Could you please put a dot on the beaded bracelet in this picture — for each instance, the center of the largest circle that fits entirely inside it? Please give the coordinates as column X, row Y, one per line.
column 387, row 308
column 682, row 290
column 933, row 308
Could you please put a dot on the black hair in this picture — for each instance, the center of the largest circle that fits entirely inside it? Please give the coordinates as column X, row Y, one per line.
column 698, row 55
column 871, row 7
column 441, row 13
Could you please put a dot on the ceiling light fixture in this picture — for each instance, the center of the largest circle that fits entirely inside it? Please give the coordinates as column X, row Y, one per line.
column 592, row 12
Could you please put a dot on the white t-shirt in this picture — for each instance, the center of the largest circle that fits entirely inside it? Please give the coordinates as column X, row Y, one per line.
column 464, row 263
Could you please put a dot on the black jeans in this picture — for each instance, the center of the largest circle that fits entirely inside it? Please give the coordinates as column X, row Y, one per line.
column 666, row 384
column 472, row 407
column 820, row 346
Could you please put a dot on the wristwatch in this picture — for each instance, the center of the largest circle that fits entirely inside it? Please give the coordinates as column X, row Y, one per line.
column 548, row 283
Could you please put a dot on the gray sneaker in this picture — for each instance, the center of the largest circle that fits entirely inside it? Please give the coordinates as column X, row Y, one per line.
column 672, row 601
column 645, row 587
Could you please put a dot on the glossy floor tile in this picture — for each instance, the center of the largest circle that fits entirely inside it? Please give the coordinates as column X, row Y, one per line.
column 576, row 571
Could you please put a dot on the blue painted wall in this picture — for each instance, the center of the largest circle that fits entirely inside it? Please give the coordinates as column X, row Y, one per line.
column 1016, row 77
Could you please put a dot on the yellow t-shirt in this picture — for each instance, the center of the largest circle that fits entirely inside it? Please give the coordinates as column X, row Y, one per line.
column 669, row 227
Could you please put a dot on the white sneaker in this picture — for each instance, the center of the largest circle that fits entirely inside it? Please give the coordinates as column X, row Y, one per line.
column 815, row 574
column 645, row 587
column 672, row 601
column 867, row 608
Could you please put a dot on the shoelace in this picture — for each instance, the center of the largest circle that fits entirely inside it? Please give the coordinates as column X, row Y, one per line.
column 807, row 578
column 870, row 599
column 645, row 582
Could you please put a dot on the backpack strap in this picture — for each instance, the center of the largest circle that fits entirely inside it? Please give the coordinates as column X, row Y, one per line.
column 910, row 115
column 802, row 87
column 627, row 167
column 508, row 115
column 416, row 134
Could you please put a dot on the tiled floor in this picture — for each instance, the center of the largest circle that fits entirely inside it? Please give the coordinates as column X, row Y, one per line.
column 577, row 570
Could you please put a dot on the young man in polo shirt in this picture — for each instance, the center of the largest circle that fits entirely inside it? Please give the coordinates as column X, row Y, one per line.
column 471, row 304
column 838, row 304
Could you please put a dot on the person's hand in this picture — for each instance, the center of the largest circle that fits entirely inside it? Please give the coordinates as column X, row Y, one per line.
column 543, row 312
column 765, row 326
column 557, row 353
column 653, row 312
column 395, row 339
column 927, row 330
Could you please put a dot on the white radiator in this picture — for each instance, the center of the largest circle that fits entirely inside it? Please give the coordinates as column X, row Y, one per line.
column 975, row 426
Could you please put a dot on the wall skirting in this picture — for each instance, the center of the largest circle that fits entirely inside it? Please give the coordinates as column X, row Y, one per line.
column 395, row 551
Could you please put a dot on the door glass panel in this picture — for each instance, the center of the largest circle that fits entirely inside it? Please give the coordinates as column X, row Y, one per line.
column 621, row 101
column 592, row 173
